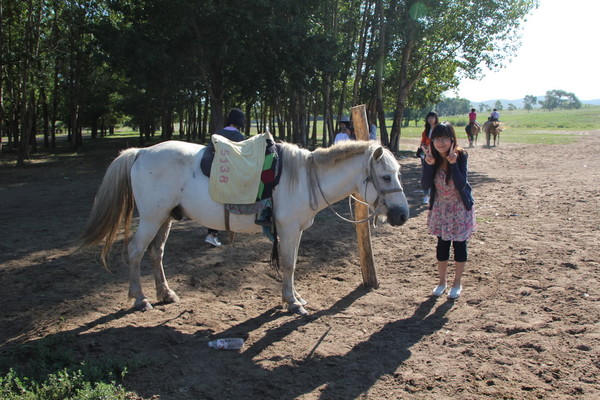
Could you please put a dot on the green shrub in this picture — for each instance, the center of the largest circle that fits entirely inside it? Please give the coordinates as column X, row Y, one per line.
column 48, row 369
column 64, row 385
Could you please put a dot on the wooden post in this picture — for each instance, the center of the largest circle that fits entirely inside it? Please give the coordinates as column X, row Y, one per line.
column 363, row 231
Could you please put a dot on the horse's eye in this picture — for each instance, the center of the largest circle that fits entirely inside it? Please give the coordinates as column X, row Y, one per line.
column 387, row 178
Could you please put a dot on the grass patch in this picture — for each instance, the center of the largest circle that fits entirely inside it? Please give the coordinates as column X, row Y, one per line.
column 534, row 127
column 49, row 369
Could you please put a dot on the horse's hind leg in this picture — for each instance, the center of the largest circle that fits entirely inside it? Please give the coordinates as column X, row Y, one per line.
column 143, row 236
column 156, row 251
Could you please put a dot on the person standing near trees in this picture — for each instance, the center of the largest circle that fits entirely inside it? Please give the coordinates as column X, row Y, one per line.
column 451, row 216
column 345, row 133
column 431, row 121
column 233, row 125
column 372, row 132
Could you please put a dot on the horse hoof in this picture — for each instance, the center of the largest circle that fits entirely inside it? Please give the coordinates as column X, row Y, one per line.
column 142, row 305
column 297, row 309
column 170, row 297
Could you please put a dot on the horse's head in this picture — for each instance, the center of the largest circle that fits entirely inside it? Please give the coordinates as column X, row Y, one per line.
column 386, row 193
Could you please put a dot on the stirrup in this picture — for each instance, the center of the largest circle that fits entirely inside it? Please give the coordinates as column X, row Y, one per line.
column 265, row 218
column 263, row 222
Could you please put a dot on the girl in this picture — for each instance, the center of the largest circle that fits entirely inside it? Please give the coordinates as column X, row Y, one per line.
column 431, row 121
column 451, row 215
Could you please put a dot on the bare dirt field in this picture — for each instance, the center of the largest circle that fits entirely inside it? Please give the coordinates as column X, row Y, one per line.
column 526, row 327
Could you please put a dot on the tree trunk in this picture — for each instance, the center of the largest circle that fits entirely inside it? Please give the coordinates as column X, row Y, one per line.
column 216, row 100
column 405, row 87
column 204, row 120
column 3, row 127
column 360, row 56
column 328, row 126
column 248, row 116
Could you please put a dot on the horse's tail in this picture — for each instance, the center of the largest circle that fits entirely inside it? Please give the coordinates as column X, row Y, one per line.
column 114, row 203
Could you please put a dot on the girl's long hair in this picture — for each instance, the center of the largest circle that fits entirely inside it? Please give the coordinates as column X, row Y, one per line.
column 431, row 114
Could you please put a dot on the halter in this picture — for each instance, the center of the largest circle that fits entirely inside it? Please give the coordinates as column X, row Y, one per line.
column 370, row 178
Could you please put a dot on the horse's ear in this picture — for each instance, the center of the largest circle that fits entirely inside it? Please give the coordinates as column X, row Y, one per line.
column 378, row 153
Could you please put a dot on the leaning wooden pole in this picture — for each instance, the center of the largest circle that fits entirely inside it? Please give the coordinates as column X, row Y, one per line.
column 363, row 230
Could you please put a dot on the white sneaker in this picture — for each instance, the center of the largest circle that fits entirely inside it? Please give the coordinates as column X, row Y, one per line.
column 426, row 200
column 455, row 292
column 213, row 239
column 439, row 290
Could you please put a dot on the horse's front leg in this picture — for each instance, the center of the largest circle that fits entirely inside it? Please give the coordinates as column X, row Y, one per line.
column 156, row 251
column 289, row 241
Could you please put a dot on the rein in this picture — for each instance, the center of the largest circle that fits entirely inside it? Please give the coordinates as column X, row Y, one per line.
column 313, row 176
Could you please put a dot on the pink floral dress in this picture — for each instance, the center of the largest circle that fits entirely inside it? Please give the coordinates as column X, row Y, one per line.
column 449, row 219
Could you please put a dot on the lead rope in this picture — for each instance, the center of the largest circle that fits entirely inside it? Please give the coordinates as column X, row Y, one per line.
column 313, row 177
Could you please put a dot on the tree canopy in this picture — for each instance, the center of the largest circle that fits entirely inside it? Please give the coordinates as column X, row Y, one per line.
column 529, row 101
column 287, row 64
column 560, row 99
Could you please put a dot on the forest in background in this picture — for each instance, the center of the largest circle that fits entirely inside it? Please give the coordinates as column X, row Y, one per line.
column 67, row 65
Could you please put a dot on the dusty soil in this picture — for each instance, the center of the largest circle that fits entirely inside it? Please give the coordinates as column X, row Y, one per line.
column 526, row 326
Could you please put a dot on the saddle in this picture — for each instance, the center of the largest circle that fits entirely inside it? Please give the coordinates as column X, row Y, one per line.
column 246, row 172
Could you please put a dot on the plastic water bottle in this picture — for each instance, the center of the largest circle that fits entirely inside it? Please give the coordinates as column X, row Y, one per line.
column 227, row 343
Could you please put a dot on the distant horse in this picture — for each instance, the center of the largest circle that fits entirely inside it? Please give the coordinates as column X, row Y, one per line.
column 492, row 128
column 472, row 133
column 166, row 178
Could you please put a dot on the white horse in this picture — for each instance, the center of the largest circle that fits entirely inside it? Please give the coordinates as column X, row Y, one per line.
column 167, row 177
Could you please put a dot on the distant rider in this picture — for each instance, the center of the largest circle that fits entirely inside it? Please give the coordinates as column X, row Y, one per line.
column 473, row 118
column 495, row 115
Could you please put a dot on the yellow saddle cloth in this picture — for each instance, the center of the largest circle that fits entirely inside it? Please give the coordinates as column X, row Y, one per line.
column 236, row 169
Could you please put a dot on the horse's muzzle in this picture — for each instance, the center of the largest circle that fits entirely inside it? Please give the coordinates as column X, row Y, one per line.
column 397, row 216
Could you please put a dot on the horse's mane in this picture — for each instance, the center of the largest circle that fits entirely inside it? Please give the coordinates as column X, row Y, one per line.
column 295, row 158
column 340, row 151
column 350, row 148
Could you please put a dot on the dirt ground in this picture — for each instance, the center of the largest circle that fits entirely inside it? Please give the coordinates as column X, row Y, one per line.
column 526, row 327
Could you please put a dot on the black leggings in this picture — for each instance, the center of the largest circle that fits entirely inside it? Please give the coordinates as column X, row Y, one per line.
column 443, row 250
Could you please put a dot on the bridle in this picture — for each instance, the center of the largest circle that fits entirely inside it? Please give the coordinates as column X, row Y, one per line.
column 371, row 178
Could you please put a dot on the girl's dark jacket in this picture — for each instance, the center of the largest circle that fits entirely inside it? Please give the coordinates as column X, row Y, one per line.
column 459, row 177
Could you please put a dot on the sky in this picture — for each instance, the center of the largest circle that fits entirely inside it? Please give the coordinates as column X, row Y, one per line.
column 560, row 49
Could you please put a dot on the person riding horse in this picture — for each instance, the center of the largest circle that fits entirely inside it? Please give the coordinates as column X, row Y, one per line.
column 473, row 127
column 473, row 118
column 493, row 127
column 495, row 116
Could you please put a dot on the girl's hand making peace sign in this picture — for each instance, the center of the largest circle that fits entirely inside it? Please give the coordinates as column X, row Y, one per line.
column 452, row 156
column 429, row 158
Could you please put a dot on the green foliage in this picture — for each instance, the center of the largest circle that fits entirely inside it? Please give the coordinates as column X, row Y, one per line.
column 484, row 107
column 449, row 39
column 456, row 106
column 560, row 99
column 529, row 101
column 92, row 63
column 63, row 385
column 48, row 369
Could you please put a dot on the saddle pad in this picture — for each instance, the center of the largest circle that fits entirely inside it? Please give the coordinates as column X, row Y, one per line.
column 236, row 169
